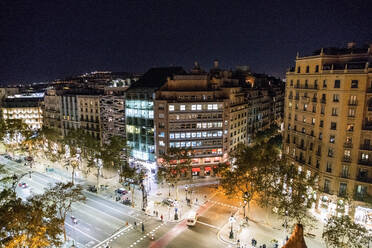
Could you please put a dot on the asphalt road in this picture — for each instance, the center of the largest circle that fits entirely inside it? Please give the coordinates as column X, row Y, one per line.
column 102, row 221
column 98, row 218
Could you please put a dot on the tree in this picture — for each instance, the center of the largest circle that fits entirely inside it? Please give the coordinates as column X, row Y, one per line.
column 173, row 164
column 241, row 178
column 294, row 194
column 343, row 232
column 15, row 132
column 62, row 196
column 31, row 223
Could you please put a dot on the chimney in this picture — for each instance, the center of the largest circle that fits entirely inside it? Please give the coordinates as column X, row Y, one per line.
column 351, row 45
column 215, row 64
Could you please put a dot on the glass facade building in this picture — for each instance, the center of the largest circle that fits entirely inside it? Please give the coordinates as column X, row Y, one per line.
column 140, row 125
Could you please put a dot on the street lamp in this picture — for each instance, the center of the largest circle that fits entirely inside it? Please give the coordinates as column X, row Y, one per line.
column 231, row 221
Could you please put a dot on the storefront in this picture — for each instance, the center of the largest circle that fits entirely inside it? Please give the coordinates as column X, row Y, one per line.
column 363, row 216
column 195, row 172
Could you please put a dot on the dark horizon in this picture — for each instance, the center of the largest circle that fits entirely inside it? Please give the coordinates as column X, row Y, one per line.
column 43, row 41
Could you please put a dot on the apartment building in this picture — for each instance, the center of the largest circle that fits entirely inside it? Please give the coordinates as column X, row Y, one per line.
column 52, row 110
column 204, row 112
column 24, row 107
column 112, row 111
column 328, row 117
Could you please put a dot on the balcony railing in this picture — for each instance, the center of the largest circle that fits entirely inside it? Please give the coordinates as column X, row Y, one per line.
column 344, row 175
column 363, row 197
column 314, row 99
column 348, row 145
column 323, row 100
column 346, row 159
column 364, row 179
column 352, row 103
column 365, row 162
column 366, row 147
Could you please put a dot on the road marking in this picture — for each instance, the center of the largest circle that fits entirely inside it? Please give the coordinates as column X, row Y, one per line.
column 100, row 211
column 115, row 234
column 209, row 225
column 87, row 235
column 118, row 211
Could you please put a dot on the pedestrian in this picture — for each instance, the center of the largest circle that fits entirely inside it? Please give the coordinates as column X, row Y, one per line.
column 135, row 225
column 157, row 213
column 143, row 227
column 264, row 246
column 161, row 217
column 196, row 200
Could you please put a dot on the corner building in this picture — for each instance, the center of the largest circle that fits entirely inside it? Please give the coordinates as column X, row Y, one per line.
column 328, row 126
column 203, row 112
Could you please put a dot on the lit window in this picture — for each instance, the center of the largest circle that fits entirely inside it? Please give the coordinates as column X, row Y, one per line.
column 199, row 107
column 161, row 143
column 182, row 135
column 171, row 144
column 161, row 134
column 364, row 156
column 171, row 135
column 193, row 107
column 171, row 107
column 215, row 106
column 177, row 135
column 210, row 106
column 182, row 107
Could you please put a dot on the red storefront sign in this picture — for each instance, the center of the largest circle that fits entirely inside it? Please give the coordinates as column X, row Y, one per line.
column 195, row 169
column 207, row 168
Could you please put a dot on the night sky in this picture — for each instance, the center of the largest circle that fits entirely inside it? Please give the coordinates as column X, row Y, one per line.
column 44, row 40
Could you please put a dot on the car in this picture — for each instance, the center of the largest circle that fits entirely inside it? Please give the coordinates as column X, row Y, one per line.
column 8, row 157
column 23, row 185
column 121, row 191
column 168, row 201
column 74, row 220
column 127, row 202
column 192, row 218
column 92, row 188
column 18, row 160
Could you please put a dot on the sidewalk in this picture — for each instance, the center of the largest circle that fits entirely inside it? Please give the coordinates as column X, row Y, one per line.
column 264, row 233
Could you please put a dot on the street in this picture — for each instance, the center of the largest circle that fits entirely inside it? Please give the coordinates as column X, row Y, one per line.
column 102, row 221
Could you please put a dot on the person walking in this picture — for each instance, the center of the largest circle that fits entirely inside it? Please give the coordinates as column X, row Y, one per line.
column 143, row 227
column 135, row 225
column 161, row 217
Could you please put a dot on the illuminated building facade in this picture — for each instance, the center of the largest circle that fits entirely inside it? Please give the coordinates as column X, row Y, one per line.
column 24, row 107
column 206, row 113
column 328, row 116
column 139, row 105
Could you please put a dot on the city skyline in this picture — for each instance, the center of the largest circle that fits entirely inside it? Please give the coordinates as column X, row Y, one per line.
column 43, row 42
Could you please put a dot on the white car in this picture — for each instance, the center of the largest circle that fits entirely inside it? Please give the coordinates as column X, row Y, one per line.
column 192, row 218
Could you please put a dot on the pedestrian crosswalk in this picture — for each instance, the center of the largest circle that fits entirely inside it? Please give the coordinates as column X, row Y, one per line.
column 224, row 204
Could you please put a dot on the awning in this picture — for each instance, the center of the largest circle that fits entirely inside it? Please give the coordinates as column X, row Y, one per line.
column 195, row 169
column 207, row 168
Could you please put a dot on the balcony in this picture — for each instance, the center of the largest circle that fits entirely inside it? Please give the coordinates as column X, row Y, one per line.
column 345, row 175
column 364, row 179
column 364, row 162
column 366, row 147
column 314, row 99
column 348, row 145
column 364, row 197
column 352, row 103
column 346, row 159
column 323, row 100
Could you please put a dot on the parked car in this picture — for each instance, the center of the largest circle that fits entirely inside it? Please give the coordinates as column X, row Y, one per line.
column 18, row 160
column 121, row 191
column 92, row 188
column 8, row 157
column 22, row 185
column 127, row 202
column 169, row 202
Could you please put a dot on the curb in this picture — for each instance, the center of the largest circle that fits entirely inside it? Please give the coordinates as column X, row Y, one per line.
column 221, row 238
